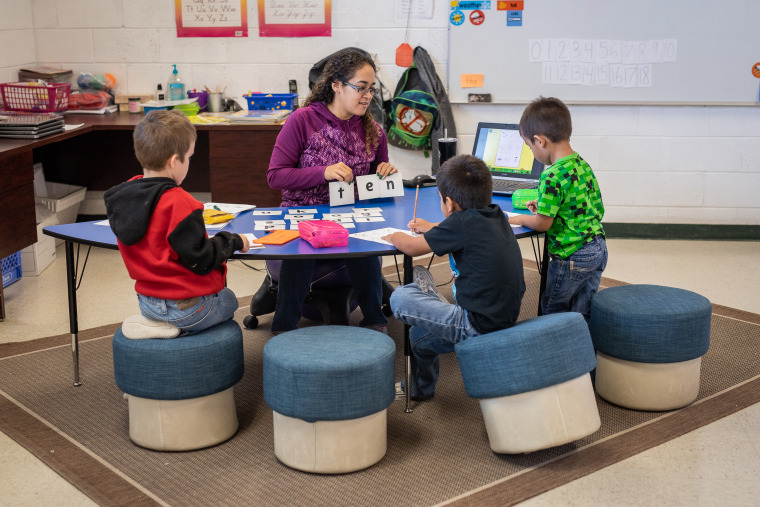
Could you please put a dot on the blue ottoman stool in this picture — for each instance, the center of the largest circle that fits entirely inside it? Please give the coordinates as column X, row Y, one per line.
column 180, row 390
column 329, row 388
column 649, row 341
column 533, row 382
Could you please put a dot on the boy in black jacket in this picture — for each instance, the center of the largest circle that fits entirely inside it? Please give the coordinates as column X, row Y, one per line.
column 485, row 261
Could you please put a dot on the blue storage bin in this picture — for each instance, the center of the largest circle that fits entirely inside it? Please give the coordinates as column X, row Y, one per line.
column 11, row 269
column 270, row 100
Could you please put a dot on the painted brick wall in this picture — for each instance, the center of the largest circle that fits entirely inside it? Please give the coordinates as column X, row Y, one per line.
column 666, row 164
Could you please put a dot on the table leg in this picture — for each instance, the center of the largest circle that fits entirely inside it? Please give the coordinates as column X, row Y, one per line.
column 407, row 346
column 544, row 271
column 71, row 277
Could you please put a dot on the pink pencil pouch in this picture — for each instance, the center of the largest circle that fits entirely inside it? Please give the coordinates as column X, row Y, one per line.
column 323, row 233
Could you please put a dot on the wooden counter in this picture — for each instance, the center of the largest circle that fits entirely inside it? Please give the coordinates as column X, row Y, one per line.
column 230, row 161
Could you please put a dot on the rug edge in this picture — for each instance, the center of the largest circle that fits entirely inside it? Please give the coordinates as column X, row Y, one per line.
column 68, row 460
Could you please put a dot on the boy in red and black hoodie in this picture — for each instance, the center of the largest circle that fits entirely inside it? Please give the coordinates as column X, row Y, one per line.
column 179, row 271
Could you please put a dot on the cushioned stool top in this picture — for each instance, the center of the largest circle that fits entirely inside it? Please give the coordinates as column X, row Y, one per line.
column 650, row 323
column 532, row 354
column 191, row 366
column 329, row 373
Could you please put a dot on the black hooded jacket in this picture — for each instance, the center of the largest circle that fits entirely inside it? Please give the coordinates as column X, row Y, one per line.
column 163, row 240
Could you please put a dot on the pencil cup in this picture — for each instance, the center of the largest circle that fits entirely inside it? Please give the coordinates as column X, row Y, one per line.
column 447, row 148
column 215, row 102
column 202, row 97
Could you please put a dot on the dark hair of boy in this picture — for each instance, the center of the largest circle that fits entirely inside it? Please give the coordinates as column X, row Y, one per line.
column 546, row 116
column 467, row 180
column 160, row 135
column 341, row 68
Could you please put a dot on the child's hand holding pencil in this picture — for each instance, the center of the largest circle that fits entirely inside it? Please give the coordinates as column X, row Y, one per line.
column 420, row 225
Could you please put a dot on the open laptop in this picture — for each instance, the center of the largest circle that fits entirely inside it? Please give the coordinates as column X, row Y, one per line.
column 505, row 153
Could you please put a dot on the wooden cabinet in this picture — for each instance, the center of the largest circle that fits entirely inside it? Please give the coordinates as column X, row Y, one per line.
column 238, row 161
column 230, row 161
column 18, row 227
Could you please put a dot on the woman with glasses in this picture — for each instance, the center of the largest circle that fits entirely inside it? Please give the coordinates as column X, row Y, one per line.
column 331, row 138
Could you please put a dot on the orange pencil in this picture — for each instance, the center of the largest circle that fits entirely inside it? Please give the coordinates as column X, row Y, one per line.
column 416, row 196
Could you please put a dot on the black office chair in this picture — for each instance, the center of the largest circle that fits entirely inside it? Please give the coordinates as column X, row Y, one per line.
column 330, row 298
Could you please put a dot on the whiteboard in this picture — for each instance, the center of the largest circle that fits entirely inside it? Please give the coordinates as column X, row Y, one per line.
column 674, row 51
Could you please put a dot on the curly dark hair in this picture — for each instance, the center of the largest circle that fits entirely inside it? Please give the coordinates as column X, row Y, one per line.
column 341, row 68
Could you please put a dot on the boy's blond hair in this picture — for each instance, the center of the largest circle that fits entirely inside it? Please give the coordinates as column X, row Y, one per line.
column 160, row 135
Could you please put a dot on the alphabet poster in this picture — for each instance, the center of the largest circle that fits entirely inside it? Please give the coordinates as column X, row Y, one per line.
column 211, row 18
column 295, row 18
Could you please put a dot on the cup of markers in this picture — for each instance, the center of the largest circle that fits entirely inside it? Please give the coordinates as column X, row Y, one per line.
column 201, row 95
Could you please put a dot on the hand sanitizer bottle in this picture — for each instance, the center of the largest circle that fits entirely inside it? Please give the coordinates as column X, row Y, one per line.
column 176, row 86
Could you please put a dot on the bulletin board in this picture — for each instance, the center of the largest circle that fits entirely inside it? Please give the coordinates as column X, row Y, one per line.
column 601, row 51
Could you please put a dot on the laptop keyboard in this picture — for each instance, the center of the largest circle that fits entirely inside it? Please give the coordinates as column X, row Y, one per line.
column 511, row 186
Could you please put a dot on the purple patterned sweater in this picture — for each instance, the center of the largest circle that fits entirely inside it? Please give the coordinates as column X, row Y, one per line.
column 312, row 139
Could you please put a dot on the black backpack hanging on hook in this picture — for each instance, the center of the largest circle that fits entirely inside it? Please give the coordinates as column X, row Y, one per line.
column 379, row 108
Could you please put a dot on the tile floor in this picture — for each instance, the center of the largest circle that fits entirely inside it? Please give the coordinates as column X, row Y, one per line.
column 715, row 465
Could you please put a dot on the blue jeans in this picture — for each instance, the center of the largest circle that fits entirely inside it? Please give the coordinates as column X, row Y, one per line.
column 572, row 282
column 189, row 315
column 296, row 276
column 435, row 328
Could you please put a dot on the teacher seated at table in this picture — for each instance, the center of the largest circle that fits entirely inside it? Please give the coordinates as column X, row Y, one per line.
column 332, row 138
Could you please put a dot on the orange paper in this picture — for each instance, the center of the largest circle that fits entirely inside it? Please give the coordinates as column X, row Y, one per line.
column 472, row 80
column 507, row 5
column 404, row 55
column 278, row 237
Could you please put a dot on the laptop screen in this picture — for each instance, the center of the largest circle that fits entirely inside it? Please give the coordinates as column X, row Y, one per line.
column 505, row 153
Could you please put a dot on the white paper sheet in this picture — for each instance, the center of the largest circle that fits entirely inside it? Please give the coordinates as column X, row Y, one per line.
column 377, row 234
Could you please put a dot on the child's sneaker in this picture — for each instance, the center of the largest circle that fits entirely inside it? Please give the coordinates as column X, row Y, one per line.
column 424, row 280
column 401, row 394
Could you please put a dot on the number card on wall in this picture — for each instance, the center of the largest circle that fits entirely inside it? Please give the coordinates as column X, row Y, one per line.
column 615, row 63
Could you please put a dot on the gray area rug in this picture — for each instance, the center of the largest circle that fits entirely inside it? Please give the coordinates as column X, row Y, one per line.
column 438, row 453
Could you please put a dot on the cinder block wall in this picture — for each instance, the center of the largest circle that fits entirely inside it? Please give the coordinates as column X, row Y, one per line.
column 659, row 165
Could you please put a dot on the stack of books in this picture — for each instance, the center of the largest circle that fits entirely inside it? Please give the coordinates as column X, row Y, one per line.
column 20, row 125
column 259, row 116
column 46, row 73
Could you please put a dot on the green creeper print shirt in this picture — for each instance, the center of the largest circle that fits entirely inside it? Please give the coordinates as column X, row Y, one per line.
column 568, row 192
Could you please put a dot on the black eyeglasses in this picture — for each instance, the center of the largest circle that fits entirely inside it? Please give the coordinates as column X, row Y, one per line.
column 362, row 90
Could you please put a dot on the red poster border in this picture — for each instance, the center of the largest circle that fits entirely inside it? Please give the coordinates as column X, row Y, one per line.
column 295, row 29
column 212, row 31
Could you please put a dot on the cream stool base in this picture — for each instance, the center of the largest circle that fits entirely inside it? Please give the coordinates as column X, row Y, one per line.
column 647, row 386
column 543, row 418
column 330, row 447
column 182, row 425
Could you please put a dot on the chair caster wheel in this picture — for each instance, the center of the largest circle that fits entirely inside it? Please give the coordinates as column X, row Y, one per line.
column 251, row 322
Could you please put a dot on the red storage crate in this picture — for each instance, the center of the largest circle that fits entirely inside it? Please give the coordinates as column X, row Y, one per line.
column 33, row 97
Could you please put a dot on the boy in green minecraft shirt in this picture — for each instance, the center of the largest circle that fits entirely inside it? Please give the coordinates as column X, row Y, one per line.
column 569, row 208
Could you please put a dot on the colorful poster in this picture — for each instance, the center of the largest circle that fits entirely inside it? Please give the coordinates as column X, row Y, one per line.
column 211, row 18
column 295, row 18
column 469, row 5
